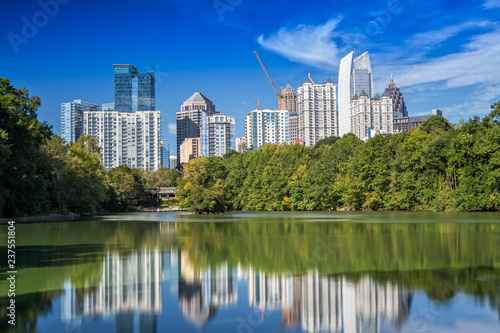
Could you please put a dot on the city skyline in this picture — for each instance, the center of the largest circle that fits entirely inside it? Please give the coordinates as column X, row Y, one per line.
column 449, row 63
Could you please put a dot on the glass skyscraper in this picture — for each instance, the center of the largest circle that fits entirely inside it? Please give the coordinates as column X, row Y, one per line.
column 355, row 75
column 134, row 91
column 165, row 153
column 72, row 118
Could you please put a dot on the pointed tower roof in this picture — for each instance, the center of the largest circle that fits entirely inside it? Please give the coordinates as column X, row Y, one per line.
column 376, row 97
column 329, row 80
column 288, row 87
column 197, row 97
column 355, row 97
column 363, row 94
column 309, row 80
column 386, row 93
column 301, row 83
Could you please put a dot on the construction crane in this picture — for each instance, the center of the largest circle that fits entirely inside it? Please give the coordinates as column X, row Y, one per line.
column 280, row 96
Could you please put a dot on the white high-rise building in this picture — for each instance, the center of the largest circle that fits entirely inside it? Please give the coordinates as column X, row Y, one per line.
column 217, row 134
column 72, row 118
column 173, row 162
column 317, row 111
column 370, row 116
column 241, row 145
column 355, row 75
column 266, row 126
column 126, row 138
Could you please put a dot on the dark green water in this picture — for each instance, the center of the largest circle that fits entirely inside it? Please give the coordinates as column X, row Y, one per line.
column 257, row 272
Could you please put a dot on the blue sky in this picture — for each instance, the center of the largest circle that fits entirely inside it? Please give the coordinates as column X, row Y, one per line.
column 442, row 54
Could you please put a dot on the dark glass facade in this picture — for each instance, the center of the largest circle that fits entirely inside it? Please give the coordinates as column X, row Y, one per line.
column 134, row 91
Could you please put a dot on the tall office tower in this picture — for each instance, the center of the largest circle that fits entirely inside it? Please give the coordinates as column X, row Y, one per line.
column 241, row 145
column 72, row 118
column 126, row 138
column 217, row 134
column 370, row 116
column 189, row 117
column 266, row 126
column 398, row 102
column 289, row 99
column 173, row 162
column 134, row 91
column 317, row 109
column 165, row 154
column 294, row 127
column 354, row 77
column 189, row 149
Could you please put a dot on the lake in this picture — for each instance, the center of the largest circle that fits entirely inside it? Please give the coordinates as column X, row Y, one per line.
column 257, row 272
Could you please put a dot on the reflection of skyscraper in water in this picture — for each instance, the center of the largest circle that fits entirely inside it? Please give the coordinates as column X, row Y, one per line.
column 269, row 291
column 129, row 283
column 202, row 292
column 334, row 304
column 321, row 303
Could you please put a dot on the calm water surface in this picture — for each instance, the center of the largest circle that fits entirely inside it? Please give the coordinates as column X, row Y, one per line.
column 258, row 272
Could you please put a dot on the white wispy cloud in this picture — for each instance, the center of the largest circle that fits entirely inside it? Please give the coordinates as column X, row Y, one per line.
column 477, row 63
column 489, row 4
column 172, row 128
column 307, row 44
column 431, row 38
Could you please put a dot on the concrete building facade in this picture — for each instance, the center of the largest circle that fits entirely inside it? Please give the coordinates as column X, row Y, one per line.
column 317, row 111
column 126, row 138
column 371, row 116
column 266, row 126
column 217, row 134
column 190, row 149
column 189, row 117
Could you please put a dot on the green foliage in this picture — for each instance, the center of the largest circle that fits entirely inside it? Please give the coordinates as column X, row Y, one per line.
column 435, row 167
column 22, row 189
column 326, row 141
column 126, row 188
column 201, row 190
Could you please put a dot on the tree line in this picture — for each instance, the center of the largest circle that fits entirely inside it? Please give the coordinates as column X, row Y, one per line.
column 40, row 172
column 436, row 167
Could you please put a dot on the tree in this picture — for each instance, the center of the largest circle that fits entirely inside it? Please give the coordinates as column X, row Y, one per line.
column 436, row 124
column 127, row 186
column 22, row 189
column 201, row 190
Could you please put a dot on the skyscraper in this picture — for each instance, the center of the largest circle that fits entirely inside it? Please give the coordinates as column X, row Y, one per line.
column 289, row 99
column 189, row 149
column 266, row 126
column 134, row 91
column 72, row 118
column 173, row 162
column 317, row 110
column 126, row 138
column 370, row 116
column 398, row 102
column 165, row 153
column 189, row 117
column 217, row 134
column 354, row 77
column 294, row 127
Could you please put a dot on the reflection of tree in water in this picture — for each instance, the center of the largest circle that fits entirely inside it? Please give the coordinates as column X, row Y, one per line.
column 28, row 309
